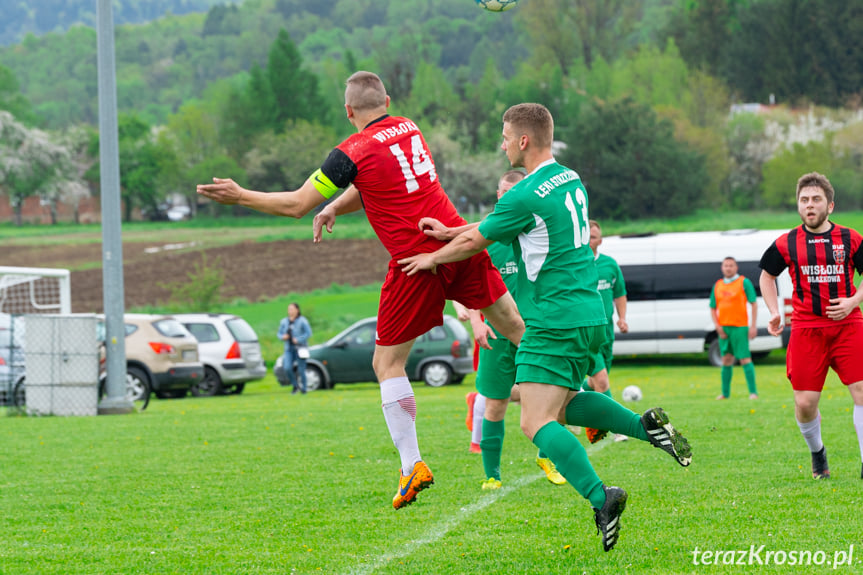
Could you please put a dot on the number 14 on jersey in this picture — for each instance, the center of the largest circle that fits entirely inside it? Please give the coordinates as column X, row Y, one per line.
column 420, row 163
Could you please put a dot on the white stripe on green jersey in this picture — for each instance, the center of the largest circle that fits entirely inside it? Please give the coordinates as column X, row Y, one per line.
column 545, row 219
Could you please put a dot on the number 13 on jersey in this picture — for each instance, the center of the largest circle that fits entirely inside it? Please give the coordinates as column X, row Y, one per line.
column 420, row 163
column 579, row 225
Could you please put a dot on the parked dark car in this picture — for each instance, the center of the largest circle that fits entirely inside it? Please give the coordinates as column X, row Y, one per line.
column 440, row 356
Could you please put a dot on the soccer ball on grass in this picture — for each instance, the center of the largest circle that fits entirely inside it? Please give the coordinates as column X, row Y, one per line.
column 631, row 393
column 497, row 5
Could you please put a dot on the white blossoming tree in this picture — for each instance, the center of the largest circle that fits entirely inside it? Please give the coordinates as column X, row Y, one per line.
column 33, row 163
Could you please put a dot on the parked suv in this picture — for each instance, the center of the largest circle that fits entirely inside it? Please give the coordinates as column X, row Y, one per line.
column 161, row 355
column 440, row 356
column 229, row 349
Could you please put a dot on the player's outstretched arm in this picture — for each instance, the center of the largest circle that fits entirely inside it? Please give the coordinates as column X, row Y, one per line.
column 293, row 204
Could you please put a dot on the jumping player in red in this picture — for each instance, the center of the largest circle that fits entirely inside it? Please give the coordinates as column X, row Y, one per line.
column 388, row 171
column 826, row 322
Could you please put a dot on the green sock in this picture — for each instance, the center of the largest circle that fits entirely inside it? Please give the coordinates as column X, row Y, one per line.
column 541, row 455
column 726, row 380
column 491, row 445
column 571, row 460
column 586, row 387
column 749, row 371
column 601, row 412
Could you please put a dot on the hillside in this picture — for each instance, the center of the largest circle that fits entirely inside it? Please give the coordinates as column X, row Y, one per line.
column 39, row 17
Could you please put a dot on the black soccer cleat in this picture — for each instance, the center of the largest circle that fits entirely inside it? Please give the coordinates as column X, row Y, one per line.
column 608, row 518
column 662, row 434
column 820, row 469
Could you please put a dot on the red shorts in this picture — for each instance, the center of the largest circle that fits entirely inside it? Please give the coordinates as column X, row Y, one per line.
column 812, row 350
column 412, row 305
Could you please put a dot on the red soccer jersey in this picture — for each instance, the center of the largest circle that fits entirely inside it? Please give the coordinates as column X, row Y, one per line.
column 821, row 268
column 390, row 164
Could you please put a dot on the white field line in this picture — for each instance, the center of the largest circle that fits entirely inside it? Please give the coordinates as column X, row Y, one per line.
column 436, row 532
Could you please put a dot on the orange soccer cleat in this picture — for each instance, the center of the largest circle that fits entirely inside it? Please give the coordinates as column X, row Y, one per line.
column 595, row 435
column 410, row 485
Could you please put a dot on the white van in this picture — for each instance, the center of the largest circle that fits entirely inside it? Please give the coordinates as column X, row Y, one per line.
column 668, row 282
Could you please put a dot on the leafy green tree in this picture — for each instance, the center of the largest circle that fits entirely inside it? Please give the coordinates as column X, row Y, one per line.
column 564, row 30
column 631, row 164
column 147, row 166
column 703, row 29
column 11, row 98
column 294, row 90
column 783, row 170
column 285, row 161
column 748, row 150
column 432, row 97
column 470, row 180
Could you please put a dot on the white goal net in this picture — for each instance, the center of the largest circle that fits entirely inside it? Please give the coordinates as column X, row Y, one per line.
column 34, row 290
column 25, row 291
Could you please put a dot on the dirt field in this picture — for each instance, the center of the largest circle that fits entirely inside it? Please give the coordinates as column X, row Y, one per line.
column 252, row 270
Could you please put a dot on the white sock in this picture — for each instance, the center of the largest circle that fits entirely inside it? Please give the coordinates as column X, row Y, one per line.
column 812, row 433
column 858, row 425
column 478, row 414
column 400, row 413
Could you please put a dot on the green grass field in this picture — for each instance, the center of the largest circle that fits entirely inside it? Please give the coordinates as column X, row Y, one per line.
column 267, row 482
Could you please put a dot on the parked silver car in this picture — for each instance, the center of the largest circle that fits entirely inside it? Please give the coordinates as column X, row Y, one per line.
column 229, row 349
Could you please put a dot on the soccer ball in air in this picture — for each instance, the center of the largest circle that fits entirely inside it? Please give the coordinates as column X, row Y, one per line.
column 496, row 5
column 631, row 393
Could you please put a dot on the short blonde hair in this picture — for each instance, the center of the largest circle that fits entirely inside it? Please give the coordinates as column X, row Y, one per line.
column 365, row 91
column 512, row 176
column 534, row 120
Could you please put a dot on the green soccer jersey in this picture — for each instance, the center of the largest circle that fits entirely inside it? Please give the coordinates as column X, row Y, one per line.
column 544, row 217
column 611, row 285
column 504, row 259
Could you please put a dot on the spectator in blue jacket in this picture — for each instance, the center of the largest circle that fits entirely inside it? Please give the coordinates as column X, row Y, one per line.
column 295, row 331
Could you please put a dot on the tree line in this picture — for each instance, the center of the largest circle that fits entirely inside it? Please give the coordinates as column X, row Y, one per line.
column 640, row 94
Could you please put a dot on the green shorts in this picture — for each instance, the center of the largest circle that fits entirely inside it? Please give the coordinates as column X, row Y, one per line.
column 558, row 356
column 496, row 373
column 737, row 342
column 602, row 359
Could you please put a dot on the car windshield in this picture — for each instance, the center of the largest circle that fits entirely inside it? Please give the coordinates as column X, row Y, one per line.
column 170, row 328
column 241, row 330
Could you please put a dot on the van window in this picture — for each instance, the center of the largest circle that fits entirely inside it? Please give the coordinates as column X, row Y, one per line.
column 680, row 281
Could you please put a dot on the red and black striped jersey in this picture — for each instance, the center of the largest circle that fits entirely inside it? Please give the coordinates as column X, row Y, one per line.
column 821, row 268
column 391, row 165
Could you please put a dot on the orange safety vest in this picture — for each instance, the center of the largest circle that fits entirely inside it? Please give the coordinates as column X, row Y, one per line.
column 731, row 303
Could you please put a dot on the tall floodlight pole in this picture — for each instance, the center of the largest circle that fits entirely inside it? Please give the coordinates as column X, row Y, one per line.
column 112, row 243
